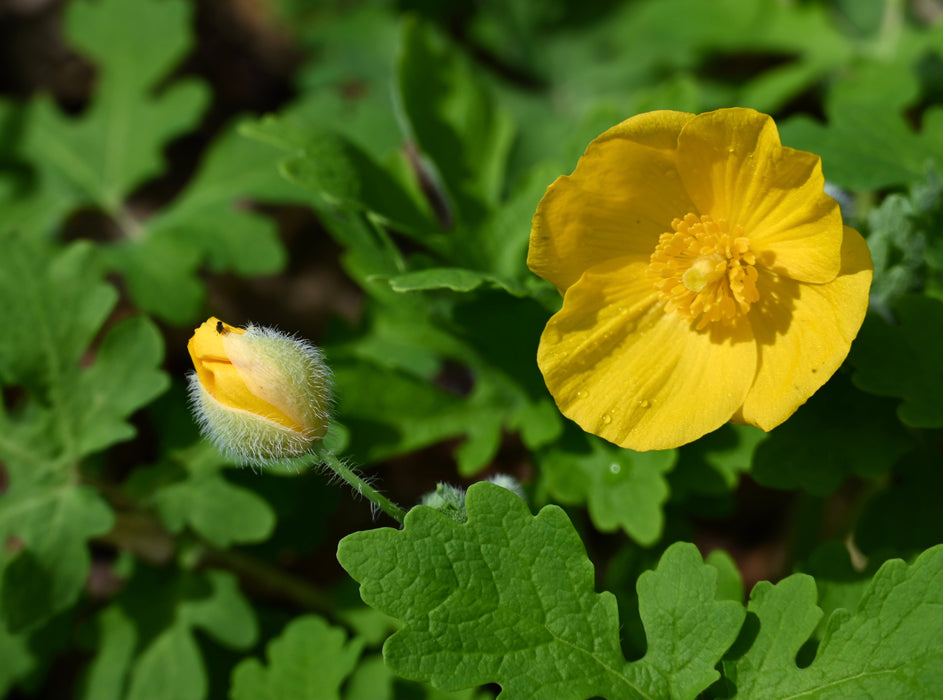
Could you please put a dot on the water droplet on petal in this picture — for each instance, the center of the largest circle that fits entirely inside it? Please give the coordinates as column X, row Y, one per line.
column 644, row 403
column 607, row 419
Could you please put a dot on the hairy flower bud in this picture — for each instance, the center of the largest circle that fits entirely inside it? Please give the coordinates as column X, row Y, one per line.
column 258, row 394
column 447, row 499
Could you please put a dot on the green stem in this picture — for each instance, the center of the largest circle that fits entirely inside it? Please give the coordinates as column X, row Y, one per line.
column 270, row 579
column 361, row 486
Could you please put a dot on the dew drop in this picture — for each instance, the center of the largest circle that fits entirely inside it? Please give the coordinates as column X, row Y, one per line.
column 644, row 403
column 615, row 468
column 607, row 419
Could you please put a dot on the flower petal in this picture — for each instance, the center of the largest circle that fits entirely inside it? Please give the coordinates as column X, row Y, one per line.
column 224, row 381
column 622, row 369
column 735, row 168
column 623, row 194
column 805, row 334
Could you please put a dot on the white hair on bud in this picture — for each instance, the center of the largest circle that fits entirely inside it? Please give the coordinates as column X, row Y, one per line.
column 508, row 482
column 289, row 372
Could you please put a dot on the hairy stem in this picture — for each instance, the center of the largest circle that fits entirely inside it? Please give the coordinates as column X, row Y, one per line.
column 361, row 486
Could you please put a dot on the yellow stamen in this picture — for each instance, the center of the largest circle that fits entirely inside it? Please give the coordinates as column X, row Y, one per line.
column 703, row 271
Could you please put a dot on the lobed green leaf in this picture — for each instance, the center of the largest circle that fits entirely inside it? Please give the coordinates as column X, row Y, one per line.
column 151, row 628
column 45, row 560
column 621, row 488
column 453, row 120
column 308, row 661
column 509, row 598
column 889, row 646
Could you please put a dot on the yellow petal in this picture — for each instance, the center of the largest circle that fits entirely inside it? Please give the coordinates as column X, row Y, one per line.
column 622, row 369
column 206, row 348
column 804, row 332
column 623, row 194
column 222, row 380
column 735, row 168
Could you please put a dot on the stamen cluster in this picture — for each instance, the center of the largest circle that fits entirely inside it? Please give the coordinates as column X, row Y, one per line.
column 704, row 272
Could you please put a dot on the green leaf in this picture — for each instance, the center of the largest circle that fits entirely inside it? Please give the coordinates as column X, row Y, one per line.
column 499, row 244
column 309, row 661
column 453, row 120
column 116, row 145
column 904, row 518
column 101, row 157
column 897, row 249
column 902, row 360
column 222, row 513
column 117, row 638
column 414, row 412
column 407, row 414
column 174, row 649
column 839, row 432
column 426, row 351
column 348, row 88
column 189, row 489
column 729, row 582
column 711, row 466
column 455, row 279
column 124, row 377
column 371, row 679
column 905, row 246
column 510, row 598
column 889, row 646
column 45, row 562
column 151, row 628
column 839, row 584
column 18, row 659
column 28, row 656
column 210, row 222
column 336, row 169
column 53, row 306
column 866, row 144
column 622, row 489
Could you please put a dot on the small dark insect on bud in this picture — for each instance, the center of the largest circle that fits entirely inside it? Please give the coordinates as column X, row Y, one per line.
column 219, row 327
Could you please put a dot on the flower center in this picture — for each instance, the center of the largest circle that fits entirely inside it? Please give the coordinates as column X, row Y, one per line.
column 703, row 271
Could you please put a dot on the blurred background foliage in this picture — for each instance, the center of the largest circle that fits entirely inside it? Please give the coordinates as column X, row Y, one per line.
column 364, row 174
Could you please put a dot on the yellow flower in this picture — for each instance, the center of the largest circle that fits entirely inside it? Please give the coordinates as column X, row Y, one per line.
column 258, row 394
column 706, row 277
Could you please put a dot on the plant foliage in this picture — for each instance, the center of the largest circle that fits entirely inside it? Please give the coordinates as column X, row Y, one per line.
column 381, row 203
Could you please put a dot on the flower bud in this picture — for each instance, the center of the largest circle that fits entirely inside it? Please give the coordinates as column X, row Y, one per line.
column 258, row 394
column 508, row 482
column 447, row 499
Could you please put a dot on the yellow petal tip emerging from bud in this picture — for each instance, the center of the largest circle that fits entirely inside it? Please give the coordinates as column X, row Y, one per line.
column 260, row 395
